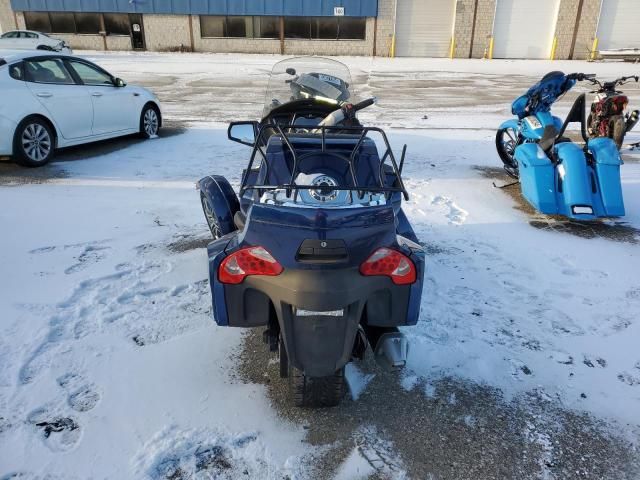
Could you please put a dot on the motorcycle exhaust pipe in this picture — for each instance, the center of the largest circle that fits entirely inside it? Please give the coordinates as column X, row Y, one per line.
column 632, row 120
column 390, row 347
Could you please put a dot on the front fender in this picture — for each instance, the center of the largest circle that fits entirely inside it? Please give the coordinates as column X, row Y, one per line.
column 222, row 199
column 513, row 123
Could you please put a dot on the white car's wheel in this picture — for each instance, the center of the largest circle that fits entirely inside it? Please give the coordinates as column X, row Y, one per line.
column 33, row 142
column 149, row 121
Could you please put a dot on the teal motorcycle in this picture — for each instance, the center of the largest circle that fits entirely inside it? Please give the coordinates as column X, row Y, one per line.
column 558, row 176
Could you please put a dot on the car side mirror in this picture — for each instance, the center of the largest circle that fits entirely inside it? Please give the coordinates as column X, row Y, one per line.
column 243, row 132
column 118, row 82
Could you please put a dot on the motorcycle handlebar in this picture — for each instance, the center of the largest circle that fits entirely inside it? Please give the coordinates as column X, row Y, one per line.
column 364, row 104
column 582, row 76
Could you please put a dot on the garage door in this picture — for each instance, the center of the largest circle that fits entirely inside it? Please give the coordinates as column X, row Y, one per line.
column 619, row 24
column 424, row 27
column 524, row 28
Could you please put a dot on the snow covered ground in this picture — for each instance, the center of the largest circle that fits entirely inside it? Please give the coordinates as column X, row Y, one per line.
column 525, row 363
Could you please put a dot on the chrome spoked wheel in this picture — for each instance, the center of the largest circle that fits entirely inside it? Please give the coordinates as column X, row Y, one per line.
column 506, row 143
column 150, row 122
column 212, row 221
column 36, row 143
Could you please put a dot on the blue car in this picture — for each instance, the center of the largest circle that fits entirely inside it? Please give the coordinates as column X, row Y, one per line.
column 315, row 247
column 556, row 175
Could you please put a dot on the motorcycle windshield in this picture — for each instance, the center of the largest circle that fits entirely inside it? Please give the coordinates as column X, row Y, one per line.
column 307, row 77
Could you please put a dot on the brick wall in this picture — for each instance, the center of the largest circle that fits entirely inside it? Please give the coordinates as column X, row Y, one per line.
column 386, row 23
column 587, row 28
column 167, row 32
column 565, row 27
column 7, row 21
column 118, row 42
column 463, row 27
column 81, row 42
column 484, row 27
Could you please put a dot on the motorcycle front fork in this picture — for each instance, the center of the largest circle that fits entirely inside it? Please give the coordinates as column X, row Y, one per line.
column 632, row 120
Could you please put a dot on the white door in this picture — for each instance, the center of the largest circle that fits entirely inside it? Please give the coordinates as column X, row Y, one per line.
column 619, row 25
column 114, row 108
column 424, row 27
column 524, row 28
column 68, row 104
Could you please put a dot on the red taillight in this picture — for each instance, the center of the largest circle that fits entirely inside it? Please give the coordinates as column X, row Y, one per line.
column 245, row 262
column 390, row 263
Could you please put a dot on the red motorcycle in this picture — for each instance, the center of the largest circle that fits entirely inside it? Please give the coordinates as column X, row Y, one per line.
column 608, row 117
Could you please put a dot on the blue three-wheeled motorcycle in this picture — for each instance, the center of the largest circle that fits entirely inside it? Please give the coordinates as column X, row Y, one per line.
column 316, row 247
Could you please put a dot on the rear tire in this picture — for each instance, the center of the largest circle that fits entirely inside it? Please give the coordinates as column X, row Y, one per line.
column 506, row 143
column 317, row 392
column 33, row 142
column 284, row 360
column 617, row 130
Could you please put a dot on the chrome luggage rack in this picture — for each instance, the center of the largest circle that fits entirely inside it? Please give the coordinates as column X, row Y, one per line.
column 268, row 130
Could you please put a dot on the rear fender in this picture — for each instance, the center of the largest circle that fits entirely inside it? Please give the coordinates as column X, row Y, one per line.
column 216, row 253
column 404, row 228
column 222, row 198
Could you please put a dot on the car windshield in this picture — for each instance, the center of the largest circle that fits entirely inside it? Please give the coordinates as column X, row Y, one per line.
column 307, row 77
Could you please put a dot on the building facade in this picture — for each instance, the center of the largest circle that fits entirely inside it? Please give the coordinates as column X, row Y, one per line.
column 559, row 29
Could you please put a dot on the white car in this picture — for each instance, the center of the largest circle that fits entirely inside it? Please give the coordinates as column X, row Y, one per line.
column 30, row 40
column 49, row 101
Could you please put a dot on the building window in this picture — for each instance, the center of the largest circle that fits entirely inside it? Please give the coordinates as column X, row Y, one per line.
column 38, row 21
column 57, row 22
column 87, row 22
column 62, row 23
column 325, row 28
column 116, row 23
column 211, row 26
column 239, row 27
column 266, row 27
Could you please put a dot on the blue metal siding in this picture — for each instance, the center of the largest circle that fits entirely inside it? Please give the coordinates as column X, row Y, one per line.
column 312, row 8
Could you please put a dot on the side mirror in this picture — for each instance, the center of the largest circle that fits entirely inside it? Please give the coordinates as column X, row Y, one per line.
column 118, row 82
column 291, row 71
column 243, row 132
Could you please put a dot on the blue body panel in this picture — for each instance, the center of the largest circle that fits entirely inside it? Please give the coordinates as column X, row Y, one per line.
column 352, row 8
column 607, row 166
column 573, row 180
column 537, row 177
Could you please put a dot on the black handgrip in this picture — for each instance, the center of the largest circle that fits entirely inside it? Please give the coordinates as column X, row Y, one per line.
column 581, row 76
column 364, row 104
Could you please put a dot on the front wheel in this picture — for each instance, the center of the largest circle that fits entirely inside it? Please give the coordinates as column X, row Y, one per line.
column 33, row 142
column 149, row 121
column 210, row 216
column 617, row 130
column 317, row 392
column 506, row 143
